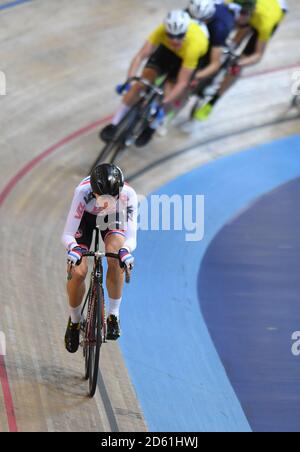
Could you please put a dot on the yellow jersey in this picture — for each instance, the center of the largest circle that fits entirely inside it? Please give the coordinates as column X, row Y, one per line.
column 194, row 47
column 267, row 14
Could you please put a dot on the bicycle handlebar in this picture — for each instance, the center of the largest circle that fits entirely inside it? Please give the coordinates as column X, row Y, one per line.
column 99, row 254
column 154, row 88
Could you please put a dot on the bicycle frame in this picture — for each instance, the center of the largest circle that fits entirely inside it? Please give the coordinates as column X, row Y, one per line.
column 96, row 281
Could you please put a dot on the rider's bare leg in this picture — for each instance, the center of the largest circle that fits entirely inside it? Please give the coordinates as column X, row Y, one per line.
column 76, row 287
column 228, row 83
column 76, row 290
column 148, row 74
column 169, row 86
column 115, row 275
column 178, row 104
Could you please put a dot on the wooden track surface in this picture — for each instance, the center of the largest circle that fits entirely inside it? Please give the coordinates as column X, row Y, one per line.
column 62, row 60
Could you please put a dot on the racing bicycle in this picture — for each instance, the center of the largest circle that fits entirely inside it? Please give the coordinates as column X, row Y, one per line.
column 93, row 326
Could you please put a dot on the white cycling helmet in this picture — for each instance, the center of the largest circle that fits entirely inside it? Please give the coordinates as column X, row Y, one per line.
column 177, row 22
column 202, row 9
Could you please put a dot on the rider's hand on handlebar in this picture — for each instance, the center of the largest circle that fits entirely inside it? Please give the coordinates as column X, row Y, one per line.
column 194, row 83
column 196, row 80
column 75, row 255
column 126, row 258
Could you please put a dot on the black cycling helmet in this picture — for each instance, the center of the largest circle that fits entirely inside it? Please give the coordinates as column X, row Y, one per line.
column 107, row 179
column 248, row 6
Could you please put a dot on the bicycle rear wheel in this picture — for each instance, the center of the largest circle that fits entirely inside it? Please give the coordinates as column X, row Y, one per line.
column 98, row 334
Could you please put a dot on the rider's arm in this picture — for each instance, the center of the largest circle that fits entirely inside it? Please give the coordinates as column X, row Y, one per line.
column 183, row 81
column 214, row 65
column 256, row 57
column 265, row 33
column 143, row 54
column 74, row 220
column 241, row 34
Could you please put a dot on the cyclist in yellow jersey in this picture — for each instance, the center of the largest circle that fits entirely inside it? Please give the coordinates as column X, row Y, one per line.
column 175, row 49
column 262, row 17
column 193, row 46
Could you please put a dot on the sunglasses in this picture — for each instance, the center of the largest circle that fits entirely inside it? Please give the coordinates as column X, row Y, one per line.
column 176, row 37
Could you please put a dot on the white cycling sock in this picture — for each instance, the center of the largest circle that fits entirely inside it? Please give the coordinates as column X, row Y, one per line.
column 114, row 307
column 75, row 314
column 121, row 112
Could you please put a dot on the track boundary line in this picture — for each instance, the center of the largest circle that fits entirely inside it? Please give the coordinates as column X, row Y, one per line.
column 8, row 400
column 13, row 4
column 37, row 160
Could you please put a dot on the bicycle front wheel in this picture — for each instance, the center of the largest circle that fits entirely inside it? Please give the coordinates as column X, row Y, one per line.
column 98, row 326
column 83, row 334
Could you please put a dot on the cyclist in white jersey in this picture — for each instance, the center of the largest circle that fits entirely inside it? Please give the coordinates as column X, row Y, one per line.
column 103, row 196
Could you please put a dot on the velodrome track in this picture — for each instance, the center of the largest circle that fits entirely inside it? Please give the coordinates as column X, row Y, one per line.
column 62, row 60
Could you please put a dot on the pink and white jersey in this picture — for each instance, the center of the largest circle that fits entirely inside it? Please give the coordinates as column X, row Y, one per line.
column 84, row 201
